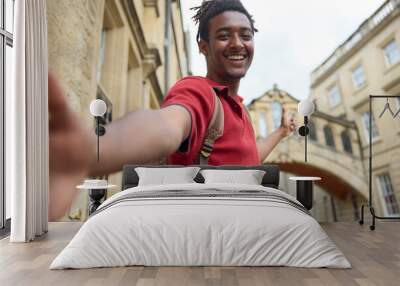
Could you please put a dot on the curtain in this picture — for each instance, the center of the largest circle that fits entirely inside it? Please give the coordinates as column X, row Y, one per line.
column 27, row 124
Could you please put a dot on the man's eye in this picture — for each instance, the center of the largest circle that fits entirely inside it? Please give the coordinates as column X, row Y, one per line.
column 223, row 37
column 247, row 37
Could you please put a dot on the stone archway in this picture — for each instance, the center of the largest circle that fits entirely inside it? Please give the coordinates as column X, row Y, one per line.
column 332, row 183
column 342, row 174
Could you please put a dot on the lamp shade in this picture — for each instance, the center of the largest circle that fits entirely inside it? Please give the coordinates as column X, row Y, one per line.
column 98, row 107
column 306, row 107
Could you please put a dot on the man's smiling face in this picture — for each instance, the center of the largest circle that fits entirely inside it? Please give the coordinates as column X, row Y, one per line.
column 230, row 48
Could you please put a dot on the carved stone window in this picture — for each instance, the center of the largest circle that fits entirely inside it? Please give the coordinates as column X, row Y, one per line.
column 329, row 137
column 263, row 129
column 152, row 3
column 346, row 142
column 334, row 96
column 313, row 133
column 392, row 53
column 388, row 196
column 276, row 113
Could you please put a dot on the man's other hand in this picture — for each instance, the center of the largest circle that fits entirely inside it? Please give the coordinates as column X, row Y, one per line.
column 288, row 123
column 71, row 151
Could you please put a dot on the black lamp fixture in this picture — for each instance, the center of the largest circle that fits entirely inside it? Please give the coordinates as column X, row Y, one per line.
column 98, row 108
column 306, row 108
column 97, row 188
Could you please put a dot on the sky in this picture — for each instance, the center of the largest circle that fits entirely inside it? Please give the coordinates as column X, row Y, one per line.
column 294, row 38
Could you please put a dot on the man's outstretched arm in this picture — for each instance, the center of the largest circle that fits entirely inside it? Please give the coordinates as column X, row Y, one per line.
column 138, row 137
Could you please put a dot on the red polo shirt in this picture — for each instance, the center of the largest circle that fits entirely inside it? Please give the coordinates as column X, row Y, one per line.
column 237, row 145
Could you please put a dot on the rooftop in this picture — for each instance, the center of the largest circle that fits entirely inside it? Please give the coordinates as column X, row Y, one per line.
column 364, row 30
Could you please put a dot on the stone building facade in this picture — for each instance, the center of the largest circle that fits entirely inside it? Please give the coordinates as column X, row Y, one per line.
column 368, row 62
column 126, row 52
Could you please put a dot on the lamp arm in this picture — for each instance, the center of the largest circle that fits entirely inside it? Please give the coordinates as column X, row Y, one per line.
column 305, row 148
column 98, row 138
column 306, row 130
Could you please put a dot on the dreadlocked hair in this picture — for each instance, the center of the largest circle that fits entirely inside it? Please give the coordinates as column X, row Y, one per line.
column 211, row 8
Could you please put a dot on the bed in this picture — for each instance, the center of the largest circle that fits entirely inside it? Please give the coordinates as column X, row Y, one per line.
column 201, row 224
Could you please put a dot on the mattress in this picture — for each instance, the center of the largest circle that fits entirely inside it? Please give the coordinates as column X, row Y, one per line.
column 201, row 225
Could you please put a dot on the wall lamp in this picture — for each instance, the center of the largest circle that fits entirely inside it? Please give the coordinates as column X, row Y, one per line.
column 98, row 108
column 306, row 108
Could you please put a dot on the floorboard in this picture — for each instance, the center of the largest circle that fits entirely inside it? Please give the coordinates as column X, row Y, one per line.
column 374, row 255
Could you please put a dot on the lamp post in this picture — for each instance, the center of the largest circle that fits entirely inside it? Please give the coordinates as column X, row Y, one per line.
column 98, row 108
column 97, row 188
column 304, row 185
column 306, row 108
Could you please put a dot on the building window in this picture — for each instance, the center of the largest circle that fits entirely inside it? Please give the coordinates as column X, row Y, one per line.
column 109, row 52
column 329, row 137
column 101, row 54
column 392, row 53
column 313, row 134
column 107, row 117
column 388, row 197
column 315, row 104
column 262, row 124
column 346, row 142
column 397, row 110
column 7, row 63
column 365, row 120
column 9, row 15
column 359, row 77
column 398, row 102
column 334, row 96
column 276, row 114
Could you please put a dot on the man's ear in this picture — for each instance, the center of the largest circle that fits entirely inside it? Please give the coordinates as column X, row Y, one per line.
column 203, row 47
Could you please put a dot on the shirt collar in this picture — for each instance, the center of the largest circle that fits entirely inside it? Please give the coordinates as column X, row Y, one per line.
column 223, row 88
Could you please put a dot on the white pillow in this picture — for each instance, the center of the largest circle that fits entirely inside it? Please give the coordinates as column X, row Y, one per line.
column 162, row 176
column 248, row 177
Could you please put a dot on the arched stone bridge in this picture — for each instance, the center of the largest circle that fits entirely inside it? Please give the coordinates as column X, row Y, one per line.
column 334, row 151
column 341, row 173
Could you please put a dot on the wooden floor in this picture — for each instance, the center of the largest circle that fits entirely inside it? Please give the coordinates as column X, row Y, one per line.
column 374, row 255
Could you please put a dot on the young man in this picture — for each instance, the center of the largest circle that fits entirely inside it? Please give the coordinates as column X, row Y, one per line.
column 177, row 130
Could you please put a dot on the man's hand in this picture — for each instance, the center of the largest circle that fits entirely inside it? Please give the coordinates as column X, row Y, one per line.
column 288, row 124
column 266, row 145
column 71, row 150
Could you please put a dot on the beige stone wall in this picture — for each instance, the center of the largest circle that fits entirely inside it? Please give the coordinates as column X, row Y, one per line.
column 380, row 79
column 154, row 28
column 179, row 67
column 126, row 68
column 73, row 29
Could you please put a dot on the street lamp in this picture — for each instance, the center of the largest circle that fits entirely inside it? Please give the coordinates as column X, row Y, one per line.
column 98, row 108
column 306, row 108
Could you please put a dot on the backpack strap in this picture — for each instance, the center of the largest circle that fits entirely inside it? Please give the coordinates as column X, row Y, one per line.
column 214, row 131
column 249, row 117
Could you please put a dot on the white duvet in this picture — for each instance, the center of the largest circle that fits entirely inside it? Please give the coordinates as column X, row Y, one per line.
column 188, row 231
